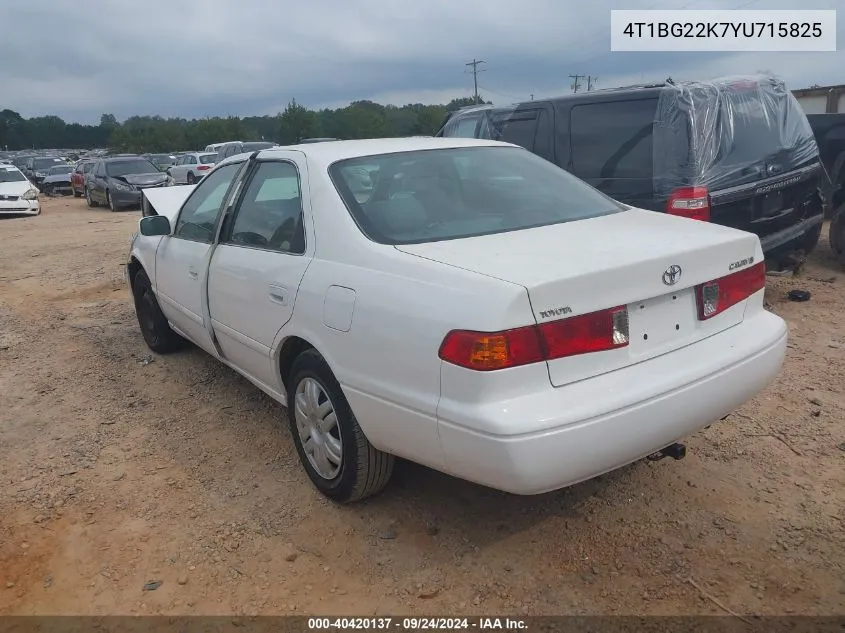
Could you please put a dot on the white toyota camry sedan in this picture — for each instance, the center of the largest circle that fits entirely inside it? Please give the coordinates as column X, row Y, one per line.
column 459, row 303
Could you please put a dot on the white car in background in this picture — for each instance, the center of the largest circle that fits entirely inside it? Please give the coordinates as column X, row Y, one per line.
column 18, row 196
column 467, row 305
column 190, row 168
column 215, row 147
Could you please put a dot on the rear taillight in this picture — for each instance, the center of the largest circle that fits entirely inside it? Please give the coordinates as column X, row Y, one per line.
column 203, row 167
column 486, row 351
column 718, row 295
column 690, row 202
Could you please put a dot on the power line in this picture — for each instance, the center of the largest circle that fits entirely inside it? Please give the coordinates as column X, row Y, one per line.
column 474, row 64
column 501, row 94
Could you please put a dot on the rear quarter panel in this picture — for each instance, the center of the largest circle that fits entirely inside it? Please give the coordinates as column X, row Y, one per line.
column 387, row 362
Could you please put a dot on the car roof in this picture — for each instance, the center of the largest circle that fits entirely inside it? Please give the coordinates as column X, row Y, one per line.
column 121, row 159
column 329, row 152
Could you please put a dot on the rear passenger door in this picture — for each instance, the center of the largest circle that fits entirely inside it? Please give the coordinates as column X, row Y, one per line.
column 611, row 147
column 256, row 269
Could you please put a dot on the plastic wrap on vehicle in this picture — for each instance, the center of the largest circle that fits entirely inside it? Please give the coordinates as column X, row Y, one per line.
column 728, row 131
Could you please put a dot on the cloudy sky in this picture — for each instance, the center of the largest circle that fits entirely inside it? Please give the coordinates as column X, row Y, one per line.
column 195, row 58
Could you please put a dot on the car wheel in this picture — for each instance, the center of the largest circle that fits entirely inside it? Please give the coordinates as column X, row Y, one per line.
column 333, row 449
column 77, row 194
column 110, row 202
column 88, row 198
column 154, row 326
column 191, row 179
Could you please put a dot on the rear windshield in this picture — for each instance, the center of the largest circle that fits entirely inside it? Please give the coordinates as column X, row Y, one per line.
column 748, row 130
column 443, row 194
column 126, row 167
column 161, row 158
column 207, row 159
column 11, row 174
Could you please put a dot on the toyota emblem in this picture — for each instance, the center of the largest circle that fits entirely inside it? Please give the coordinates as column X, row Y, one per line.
column 671, row 275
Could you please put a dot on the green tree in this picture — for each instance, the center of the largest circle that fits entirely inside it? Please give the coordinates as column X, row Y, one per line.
column 297, row 123
column 360, row 119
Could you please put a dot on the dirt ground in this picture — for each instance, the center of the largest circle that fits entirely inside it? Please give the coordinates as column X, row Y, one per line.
column 120, row 468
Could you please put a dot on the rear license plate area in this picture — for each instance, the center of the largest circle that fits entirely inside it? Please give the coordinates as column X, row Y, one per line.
column 770, row 206
column 662, row 322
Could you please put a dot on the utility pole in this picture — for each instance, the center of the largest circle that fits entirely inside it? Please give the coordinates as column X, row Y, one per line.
column 590, row 81
column 474, row 64
column 532, row 96
column 575, row 84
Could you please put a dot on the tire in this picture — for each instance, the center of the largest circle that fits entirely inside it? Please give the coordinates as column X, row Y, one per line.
column 837, row 234
column 88, row 199
column 110, row 202
column 77, row 194
column 363, row 470
column 155, row 329
column 191, row 180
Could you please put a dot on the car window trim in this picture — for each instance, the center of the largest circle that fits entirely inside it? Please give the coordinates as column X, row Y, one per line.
column 212, row 241
column 224, row 239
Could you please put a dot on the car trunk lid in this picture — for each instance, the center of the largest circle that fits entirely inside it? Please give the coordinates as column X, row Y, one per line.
column 647, row 261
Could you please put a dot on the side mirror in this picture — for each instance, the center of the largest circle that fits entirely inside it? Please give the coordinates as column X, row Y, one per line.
column 154, row 225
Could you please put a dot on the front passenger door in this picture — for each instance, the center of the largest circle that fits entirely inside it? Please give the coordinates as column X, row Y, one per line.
column 257, row 267
column 182, row 257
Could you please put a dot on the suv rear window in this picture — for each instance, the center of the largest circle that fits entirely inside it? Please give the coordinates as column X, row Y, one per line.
column 613, row 139
column 747, row 130
column 442, row 194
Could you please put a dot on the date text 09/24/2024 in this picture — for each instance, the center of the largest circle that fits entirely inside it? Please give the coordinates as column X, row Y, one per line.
column 416, row 624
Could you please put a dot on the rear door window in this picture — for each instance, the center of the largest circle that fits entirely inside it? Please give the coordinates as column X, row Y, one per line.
column 613, row 140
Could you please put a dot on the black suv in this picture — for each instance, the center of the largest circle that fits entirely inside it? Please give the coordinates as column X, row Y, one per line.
column 735, row 151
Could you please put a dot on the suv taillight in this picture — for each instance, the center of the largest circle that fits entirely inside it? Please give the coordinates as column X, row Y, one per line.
column 720, row 294
column 690, row 202
column 487, row 351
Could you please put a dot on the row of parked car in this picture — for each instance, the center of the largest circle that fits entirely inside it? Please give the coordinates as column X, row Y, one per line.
column 116, row 181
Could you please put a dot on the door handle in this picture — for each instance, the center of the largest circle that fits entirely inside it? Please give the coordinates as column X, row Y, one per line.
column 193, row 274
column 278, row 295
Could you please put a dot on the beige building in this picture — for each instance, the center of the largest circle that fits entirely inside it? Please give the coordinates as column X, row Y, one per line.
column 821, row 99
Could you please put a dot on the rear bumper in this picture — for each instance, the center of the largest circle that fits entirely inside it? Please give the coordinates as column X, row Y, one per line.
column 784, row 236
column 634, row 412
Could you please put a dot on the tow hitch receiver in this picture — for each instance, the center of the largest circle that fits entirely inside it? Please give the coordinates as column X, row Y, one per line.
column 675, row 451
